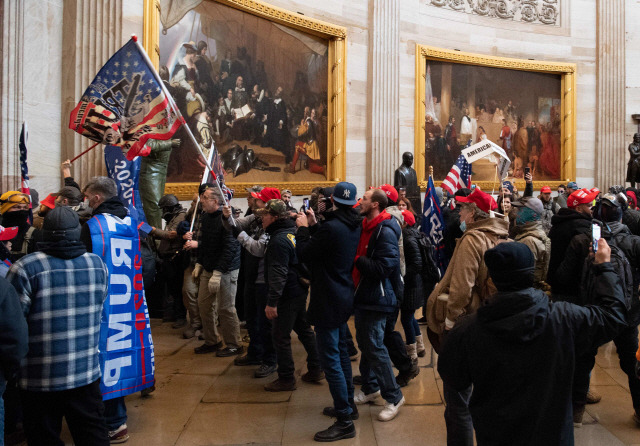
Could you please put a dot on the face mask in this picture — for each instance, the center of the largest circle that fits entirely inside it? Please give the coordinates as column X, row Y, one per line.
column 463, row 226
column 167, row 216
column 526, row 215
column 17, row 218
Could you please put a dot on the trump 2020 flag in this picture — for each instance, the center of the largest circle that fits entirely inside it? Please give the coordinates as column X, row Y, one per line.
column 126, row 104
column 126, row 175
column 433, row 224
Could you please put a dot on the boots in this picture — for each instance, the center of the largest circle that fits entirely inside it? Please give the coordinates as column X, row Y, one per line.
column 405, row 376
column 420, row 346
column 412, row 352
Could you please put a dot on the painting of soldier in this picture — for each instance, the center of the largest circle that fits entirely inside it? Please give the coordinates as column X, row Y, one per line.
column 255, row 89
column 517, row 110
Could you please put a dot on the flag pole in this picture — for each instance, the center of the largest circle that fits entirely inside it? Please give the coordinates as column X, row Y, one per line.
column 86, row 151
column 177, row 110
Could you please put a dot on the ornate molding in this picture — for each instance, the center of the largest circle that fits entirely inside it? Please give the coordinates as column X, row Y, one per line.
column 493, row 61
column 285, row 17
column 545, row 12
column 185, row 191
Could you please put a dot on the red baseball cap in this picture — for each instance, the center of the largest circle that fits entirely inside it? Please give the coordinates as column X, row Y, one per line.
column 409, row 218
column 49, row 201
column 8, row 233
column 268, row 193
column 484, row 201
column 582, row 196
column 391, row 192
column 545, row 190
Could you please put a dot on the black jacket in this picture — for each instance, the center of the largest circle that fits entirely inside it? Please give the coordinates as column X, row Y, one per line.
column 564, row 226
column 631, row 218
column 413, row 289
column 218, row 250
column 518, row 352
column 281, row 263
column 113, row 206
column 328, row 250
column 452, row 230
column 14, row 341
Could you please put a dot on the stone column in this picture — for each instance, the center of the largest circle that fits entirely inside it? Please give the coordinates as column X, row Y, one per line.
column 611, row 153
column 92, row 33
column 385, row 99
column 11, row 97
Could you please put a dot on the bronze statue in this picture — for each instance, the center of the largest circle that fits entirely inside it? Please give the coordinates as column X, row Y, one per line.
column 633, row 168
column 405, row 177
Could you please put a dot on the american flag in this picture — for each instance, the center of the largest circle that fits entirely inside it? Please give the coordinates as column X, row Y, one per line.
column 458, row 177
column 125, row 105
column 433, row 224
column 217, row 174
column 24, row 169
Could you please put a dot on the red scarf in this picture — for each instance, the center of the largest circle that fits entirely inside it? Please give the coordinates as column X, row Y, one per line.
column 367, row 231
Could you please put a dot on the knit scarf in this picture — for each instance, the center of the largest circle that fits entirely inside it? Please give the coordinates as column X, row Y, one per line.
column 367, row 231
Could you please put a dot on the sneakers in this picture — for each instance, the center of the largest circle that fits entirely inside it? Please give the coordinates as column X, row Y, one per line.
column 281, row 386
column 390, row 411
column 578, row 413
column 229, row 351
column 593, row 397
column 361, row 398
column 207, row 348
column 331, row 412
column 246, row 360
column 422, row 351
column 405, row 376
column 313, row 376
column 338, row 431
column 119, row 435
column 265, row 370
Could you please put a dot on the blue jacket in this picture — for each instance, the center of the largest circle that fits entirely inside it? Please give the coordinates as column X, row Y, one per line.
column 380, row 278
column 328, row 250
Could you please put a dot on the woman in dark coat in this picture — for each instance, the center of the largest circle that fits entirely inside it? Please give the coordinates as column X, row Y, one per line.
column 413, row 291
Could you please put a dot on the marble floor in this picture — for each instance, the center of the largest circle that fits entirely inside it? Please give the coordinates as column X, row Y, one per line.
column 205, row 400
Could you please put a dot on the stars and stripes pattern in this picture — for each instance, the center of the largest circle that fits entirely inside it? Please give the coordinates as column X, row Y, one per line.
column 433, row 224
column 217, row 174
column 125, row 104
column 24, row 169
column 459, row 176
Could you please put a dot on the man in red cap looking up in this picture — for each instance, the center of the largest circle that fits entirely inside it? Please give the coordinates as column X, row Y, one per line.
column 462, row 290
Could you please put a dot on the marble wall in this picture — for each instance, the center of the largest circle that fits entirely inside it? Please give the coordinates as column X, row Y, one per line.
column 46, row 73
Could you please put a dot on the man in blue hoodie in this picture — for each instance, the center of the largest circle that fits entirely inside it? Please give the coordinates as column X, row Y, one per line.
column 328, row 250
column 378, row 281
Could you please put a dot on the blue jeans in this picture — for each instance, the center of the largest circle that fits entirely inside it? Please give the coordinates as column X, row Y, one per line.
column 115, row 411
column 375, row 365
column 410, row 326
column 457, row 416
column 335, row 361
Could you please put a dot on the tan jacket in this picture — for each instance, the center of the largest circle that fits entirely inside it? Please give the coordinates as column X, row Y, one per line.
column 533, row 235
column 466, row 280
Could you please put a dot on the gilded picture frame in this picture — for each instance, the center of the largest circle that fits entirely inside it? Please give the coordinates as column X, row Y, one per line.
column 567, row 116
column 335, row 36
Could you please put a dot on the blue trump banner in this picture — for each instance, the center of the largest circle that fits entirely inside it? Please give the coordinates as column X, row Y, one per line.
column 433, row 225
column 126, row 347
column 126, row 174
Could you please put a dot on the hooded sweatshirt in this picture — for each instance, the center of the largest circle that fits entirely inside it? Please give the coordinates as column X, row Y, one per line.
column 518, row 351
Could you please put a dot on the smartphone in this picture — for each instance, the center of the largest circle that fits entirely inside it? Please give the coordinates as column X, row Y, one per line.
column 527, row 170
column 595, row 236
column 305, row 204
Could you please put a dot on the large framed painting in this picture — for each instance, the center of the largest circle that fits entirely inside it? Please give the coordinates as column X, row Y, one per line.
column 525, row 106
column 264, row 86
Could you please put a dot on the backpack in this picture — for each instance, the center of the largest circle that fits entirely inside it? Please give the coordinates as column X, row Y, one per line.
column 430, row 273
column 620, row 264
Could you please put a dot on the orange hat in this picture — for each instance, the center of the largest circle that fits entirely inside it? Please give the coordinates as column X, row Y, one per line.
column 50, row 201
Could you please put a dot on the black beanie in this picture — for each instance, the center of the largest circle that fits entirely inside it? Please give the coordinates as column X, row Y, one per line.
column 61, row 223
column 511, row 266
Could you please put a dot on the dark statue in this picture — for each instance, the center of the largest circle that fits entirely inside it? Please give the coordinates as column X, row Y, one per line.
column 406, row 177
column 633, row 168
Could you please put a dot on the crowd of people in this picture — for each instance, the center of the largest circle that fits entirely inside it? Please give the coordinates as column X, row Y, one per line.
column 516, row 317
column 234, row 102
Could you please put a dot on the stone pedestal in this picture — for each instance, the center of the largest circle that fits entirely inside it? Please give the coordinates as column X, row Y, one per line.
column 611, row 154
column 385, row 100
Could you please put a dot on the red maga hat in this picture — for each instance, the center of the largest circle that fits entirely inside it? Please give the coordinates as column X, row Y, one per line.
column 266, row 194
column 8, row 233
column 409, row 218
column 50, row 201
column 391, row 192
column 484, row 201
column 545, row 190
column 582, row 196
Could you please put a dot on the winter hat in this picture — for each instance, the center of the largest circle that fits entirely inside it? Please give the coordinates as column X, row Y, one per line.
column 392, row 193
column 511, row 266
column 508, row 185
column 11, row 198
column 61, row 223
column 409, row 218
column 632, row 199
